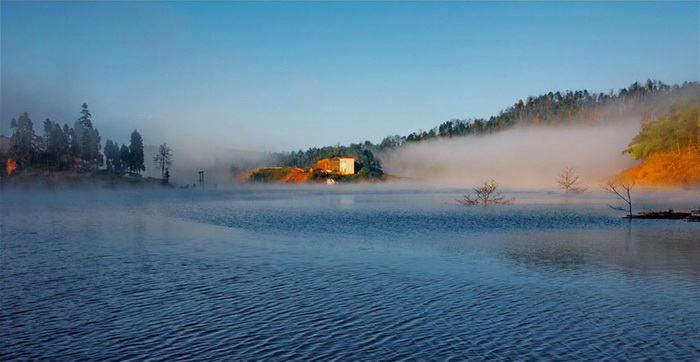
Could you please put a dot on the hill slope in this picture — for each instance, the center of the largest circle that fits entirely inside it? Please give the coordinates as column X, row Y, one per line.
column 666, row 169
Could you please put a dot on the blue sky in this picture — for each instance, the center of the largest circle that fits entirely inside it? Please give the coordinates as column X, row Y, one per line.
column 276, row 76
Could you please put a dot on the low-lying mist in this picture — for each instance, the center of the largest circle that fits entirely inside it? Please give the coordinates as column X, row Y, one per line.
column 529, row 157
column 220, row 165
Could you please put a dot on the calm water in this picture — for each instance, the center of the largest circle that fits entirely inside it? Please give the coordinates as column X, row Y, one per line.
column 341, row 274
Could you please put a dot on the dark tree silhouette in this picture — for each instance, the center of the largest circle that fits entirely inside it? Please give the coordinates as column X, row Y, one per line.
column 163, row 159
column 136, row 157
column 622, row 191
column 88, row 139
column 124, row 158
column 24, row 142
column 112, row 156
column 55, row 145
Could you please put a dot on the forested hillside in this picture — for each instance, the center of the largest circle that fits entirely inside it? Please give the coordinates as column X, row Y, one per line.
column 651, row 97
column 675, row 131
column 560, row 108
column 669, row 146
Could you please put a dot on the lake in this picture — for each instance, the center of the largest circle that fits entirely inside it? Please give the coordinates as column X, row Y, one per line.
column 370, row 273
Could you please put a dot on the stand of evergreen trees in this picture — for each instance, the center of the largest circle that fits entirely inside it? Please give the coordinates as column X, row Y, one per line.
column 65, row 148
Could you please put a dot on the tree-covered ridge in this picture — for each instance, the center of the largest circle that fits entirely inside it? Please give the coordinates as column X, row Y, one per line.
column 675, row 131
column 546, row 109
column 557, row 108
column 65, row 148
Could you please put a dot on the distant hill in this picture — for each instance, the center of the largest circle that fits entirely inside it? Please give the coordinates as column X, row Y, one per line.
column 553, row 108
column 581, row 129
column 561, row 107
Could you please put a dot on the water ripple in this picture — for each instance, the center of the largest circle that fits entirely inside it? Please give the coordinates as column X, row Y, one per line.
column 266, row 280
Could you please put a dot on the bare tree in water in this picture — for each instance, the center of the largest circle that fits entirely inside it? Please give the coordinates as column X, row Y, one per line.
column 622, row 191
column 486, row 195
column 568, row 181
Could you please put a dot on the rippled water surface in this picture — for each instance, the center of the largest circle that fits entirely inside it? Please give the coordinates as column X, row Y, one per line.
column 340, row 274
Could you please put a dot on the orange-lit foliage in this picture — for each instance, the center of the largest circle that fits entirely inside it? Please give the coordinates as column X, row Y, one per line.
column 10, row 165
column 297, row 175
column 324, row 164
column 275, row 174
column 666, row 169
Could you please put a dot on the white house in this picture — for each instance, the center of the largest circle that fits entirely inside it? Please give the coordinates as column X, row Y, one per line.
column 346, row 165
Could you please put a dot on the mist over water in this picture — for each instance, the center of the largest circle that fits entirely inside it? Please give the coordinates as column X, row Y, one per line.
column 220, row 165
column 110, row 266
column 523, row 157
column 528, row 157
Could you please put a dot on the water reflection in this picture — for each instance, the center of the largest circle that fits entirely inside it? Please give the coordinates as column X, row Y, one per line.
column 630, row 248
column 347, row 201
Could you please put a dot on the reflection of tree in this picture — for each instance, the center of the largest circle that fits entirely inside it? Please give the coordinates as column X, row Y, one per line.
column 628, row 235
column 628, row 248
column 548, row 255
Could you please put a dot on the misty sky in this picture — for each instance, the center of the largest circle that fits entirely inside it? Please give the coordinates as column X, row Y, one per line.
column 278, row 76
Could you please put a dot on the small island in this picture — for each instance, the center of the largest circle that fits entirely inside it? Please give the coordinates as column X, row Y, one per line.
column 337, row 169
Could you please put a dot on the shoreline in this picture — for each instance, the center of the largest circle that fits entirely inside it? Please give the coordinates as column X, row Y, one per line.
column 72, row 178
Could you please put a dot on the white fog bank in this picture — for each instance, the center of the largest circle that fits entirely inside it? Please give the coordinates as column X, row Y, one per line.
column 519, row 158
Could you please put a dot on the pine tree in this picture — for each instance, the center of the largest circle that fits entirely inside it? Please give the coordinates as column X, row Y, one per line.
column 136, row 153
column 88, row 140
column 111, row 152
column 74, row 142
column 124, row 158
column 48, row 129
column 84, row 128
column 53, row 144
column 58, row 146
column 24, row 142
